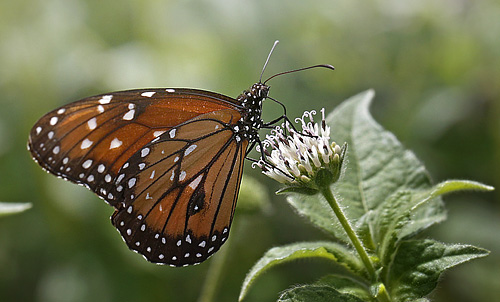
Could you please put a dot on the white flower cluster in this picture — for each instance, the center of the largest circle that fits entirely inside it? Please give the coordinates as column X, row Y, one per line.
column 296, row 158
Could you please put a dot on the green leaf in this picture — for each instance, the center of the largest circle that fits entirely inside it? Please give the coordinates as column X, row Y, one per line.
column 392, row 216
column 327, row 250
column 316, row 209
column 422, row 198
column 7, row 208
column 419, row 263
column 316, row 293
column 300, row 190
column 450, row 186
column 377, row 166
column 346, row 285
column 393, row 221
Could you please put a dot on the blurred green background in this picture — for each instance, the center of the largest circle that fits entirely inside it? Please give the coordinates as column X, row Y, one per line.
column 435, row 66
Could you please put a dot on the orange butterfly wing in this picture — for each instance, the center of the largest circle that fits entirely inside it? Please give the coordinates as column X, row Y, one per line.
column 179, row 191
column 88, row 141
column 169, row 161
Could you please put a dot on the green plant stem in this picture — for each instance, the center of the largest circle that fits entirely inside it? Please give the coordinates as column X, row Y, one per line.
column 327, row 193
column 384, row 297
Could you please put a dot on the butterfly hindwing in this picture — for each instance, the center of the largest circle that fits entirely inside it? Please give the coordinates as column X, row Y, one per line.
column 179, row 191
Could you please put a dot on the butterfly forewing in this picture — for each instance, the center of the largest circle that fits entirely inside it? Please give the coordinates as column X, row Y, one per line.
column 179, row 192
column 88, row 141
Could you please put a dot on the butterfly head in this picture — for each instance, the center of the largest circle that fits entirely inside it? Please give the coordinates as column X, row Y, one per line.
column 257, row 92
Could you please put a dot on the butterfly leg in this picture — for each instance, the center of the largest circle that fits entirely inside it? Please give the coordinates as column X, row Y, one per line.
column 282, row 117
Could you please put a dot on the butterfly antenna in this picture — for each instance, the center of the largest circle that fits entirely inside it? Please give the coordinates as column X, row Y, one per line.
column 267, row 60
column 300, row 69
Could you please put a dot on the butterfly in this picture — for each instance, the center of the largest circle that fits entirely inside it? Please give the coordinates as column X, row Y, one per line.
column 169, row 161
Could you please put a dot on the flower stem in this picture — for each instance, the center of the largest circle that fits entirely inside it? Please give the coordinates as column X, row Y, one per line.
column 327, row 193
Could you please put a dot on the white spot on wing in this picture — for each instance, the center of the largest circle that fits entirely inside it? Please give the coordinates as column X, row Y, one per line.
column 131, row 182
column 86, row 143
column 56, row 150
column 170, row 90
column 86, row 164
column 38, row 130
column 129, row 115
column 158, row 133
column 152, row 174
column 190, row 149
column 120, row 177
column 182, row 175
column 92, row 123
column 148, row 94
column 54, row 120
column 100, row 108
column 105, row 99
column 101, row 168
column 115, row 143
column 144, row 152
column 172, row 133
column 194, row 184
